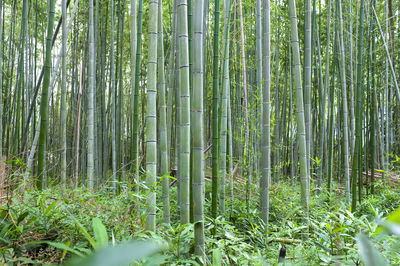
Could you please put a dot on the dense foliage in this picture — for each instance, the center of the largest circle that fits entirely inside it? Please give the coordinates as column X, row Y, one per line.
column 56, row 224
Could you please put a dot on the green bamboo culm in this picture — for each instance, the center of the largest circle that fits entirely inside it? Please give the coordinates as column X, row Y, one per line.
column 229, row 145
column 326, row 164
column 151, row 118
column 190, row 36
column 91, row 140
column 373, row 101
column 1, row 80
column 266, row 129
column 113, row 106
column 246, row 153
column 63, row 110
column 119, row 92
column 356, row 158
column 190, row 43
column 184, row 127
column 223, row 109
column 164, row 160
column 133, row 40
column 259, row 83
column 330, row 94
column 344, row 103
column 351, row 80
column 307, row 81
column 215, row 133
column 198, row 130
column 304, row 178
column 135, row 120
column 44, row 98
column 332, row 115
column 177, row 118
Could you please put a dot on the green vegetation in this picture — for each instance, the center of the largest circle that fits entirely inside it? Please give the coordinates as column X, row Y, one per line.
column 56, row 224
column 199, row 132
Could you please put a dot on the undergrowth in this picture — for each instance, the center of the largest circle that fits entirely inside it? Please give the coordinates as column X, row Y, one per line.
column 56, row 224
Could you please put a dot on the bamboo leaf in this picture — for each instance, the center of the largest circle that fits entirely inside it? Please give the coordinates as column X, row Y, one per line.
column 58, row 245
column 50, row 207
column 85, row 233
column 369, row 255
column 119, row 255
column 100, row 233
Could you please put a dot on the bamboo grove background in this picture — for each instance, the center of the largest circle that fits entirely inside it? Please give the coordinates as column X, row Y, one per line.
column 108, row 93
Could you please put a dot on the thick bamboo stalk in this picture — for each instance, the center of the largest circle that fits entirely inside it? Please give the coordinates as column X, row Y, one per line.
column 304, row 177
column 133, row 41
column 113, row 106
column 245, row 107
column 151, row 117
column 164, row 160
column 307, row 80
column 327, row 73
column 266, row 130
column 91, row 89
column 223, row 109
column 198, row 130
column 135, row 120
column 63, row 111
column 184, row 127
column 344, row 104
column 45, row 96
column 351, row 81
column 356, row 158
column 215, row 133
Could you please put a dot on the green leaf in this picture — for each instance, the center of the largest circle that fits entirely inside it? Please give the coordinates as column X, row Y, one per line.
column 393, row 218
column 229, row 235
column 58, row 245
column 216, row 257
column 396, row 160
column 322, row 246
column 369, row 255
column 26, row 260
column 394, row 228
column 22, row 217
column 51, row 206
column 159, row 259
column 6, row 241
column 100, row 233
column 328, row 227
column 119, row 255
column 84, row 232
column 85, row 250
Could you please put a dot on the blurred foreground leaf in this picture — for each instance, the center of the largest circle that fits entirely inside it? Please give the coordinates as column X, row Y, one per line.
column 369, row 255
column 119, row 255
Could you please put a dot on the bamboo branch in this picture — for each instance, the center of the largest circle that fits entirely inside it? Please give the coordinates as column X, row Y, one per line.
column 388, row 56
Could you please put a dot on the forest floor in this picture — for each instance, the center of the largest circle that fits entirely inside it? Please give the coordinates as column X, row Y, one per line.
column 58, row 223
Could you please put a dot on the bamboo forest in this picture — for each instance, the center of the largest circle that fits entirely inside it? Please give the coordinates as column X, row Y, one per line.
column 200, row 132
